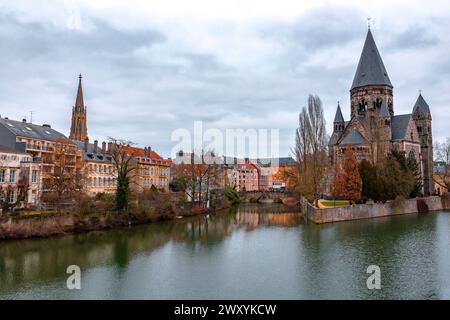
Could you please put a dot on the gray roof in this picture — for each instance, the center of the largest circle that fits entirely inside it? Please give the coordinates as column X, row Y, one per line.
column 31, row 130
column 334, row 138
column 338, row 118
column 384, row 112
column 421, row 106
column 6, row 149
column 354, row 138
column 371, row 70
column 399, row 125
column 90, row 155
column 362, row 119
column 283, row 161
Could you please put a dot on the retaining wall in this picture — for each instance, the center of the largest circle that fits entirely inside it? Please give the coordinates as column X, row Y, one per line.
column 367, row 211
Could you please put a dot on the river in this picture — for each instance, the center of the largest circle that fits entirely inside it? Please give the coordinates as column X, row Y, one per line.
column 252, row 252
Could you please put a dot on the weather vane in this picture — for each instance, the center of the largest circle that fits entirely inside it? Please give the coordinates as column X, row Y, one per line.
column 368, row 22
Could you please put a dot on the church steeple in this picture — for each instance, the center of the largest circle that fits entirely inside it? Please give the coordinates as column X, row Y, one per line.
column 78, row 129
column 338, row 118
column 79, row 103
column 371, row 70
column 371, row 84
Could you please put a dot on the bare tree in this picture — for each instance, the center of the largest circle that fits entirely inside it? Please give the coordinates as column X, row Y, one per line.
column 199, row 176
column 65, row 177
column 442, row 154
column 311, row 149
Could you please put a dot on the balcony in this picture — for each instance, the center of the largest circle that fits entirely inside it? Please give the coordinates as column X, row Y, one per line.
column 32, row 146
column 33, row 160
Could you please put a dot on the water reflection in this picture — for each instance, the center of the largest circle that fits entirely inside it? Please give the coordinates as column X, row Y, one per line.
column 27, row 261
column 254, row 251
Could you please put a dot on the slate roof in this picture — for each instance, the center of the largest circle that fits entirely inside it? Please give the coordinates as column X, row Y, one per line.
column 90, row 155
column 371, row 70
column 282, row 161
column 384, row 112
column 354, row 138
column 421, row 106
column 5, row 149
column 31, row 130
column 338, row 118
column 399, row 124
column 334, row 139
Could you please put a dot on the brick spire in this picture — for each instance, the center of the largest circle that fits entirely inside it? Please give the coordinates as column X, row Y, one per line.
column 79, row 103
column 78, row 128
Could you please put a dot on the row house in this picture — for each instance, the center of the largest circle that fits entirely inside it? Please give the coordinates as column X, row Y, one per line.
column 262, row 174
column 151, row 170
column 16, row 179
column 99, row 170
column 46, row 148
column 245, row 177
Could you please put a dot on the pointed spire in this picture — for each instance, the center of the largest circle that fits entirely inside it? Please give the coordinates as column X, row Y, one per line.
column 79, row 102
column 421, row 106
column 371, row 70
column 78, row 128
column 384, row 112
column 338, row 118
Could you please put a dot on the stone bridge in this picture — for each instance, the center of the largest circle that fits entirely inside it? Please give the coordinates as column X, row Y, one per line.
column 285, row 197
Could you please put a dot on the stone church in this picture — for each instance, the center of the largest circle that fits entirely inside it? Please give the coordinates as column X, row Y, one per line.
column 373, row 129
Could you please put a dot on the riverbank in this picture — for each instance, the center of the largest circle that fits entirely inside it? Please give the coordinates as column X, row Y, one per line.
column 366, row 211
column 91, row 217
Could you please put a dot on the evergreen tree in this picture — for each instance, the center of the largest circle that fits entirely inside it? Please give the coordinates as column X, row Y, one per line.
column 415, row 170
column 371, row 186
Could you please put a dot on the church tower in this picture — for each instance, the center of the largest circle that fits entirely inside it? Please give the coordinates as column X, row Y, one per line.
column 78, row 128
column 422, row 118
column 371, row 84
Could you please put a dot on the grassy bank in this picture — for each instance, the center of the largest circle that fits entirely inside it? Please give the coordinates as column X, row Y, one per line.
column 98, row 213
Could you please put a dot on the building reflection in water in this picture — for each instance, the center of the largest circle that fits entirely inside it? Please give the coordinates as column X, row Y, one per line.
column 254, row 216
column 27, row 261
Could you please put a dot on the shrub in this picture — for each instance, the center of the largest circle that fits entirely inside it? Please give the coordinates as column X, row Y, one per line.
column 232, row 195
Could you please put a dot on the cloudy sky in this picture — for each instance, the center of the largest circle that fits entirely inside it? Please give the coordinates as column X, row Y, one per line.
column 151, row 67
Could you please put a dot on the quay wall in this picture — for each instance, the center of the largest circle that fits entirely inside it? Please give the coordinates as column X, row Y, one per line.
column 367, row 211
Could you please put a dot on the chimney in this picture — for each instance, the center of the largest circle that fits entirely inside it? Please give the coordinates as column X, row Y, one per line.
column 145, row 152
column 149, row 149
column 24, row 120
column 95, row 146
column 110, row 146
column 103, row 147
column 86, row 144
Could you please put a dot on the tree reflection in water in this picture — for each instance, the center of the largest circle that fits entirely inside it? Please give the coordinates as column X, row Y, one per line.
column 27, row 261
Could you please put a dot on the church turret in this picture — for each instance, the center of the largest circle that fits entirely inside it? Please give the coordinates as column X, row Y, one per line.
column 422, row 118
column 78, row 129
column 338, row 120
column 371, row 84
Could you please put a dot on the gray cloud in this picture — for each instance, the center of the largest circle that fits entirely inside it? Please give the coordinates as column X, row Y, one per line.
column 414, row 38
column 141, row 83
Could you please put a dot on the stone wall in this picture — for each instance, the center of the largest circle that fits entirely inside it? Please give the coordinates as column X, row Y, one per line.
column 366, row 211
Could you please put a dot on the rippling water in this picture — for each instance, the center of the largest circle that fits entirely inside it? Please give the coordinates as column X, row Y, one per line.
column 254, row 252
